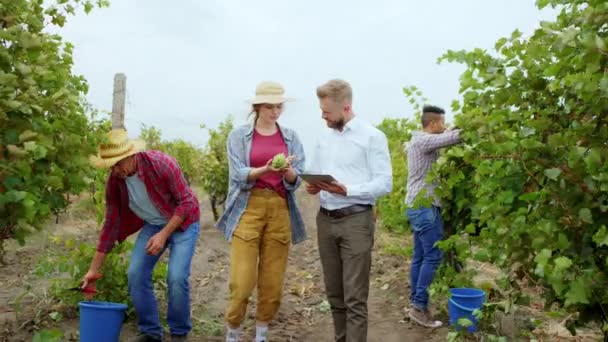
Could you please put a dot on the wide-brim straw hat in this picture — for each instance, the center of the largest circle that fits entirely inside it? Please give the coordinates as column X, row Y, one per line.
column 117, row 147
column 269, row 92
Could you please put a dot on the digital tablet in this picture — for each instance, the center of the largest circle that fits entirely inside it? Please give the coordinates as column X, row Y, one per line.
column 316, row 178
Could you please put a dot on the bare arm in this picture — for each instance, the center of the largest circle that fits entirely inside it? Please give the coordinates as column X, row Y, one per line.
column 94, row 269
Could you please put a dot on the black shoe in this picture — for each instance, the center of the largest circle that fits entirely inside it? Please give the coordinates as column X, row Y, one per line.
column 145, row 338
column 179, row 338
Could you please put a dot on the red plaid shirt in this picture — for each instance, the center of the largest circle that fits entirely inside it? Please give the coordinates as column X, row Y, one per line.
column 167, row 189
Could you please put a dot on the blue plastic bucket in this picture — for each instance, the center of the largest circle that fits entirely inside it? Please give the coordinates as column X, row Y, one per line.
column 101, row 321
column 462, row 303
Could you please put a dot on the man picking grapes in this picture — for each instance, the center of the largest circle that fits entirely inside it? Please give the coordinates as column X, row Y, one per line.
column 425, row 220
column 147, row 191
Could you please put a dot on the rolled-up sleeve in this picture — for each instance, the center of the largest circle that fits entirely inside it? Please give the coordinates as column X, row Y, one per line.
column 238, row 169
column 298, row 163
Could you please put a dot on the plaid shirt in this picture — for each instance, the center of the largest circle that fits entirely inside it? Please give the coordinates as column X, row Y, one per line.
column 167, row 189
column 422, row 152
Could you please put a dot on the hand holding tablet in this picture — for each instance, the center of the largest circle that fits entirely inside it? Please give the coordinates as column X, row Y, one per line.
column 311, row 178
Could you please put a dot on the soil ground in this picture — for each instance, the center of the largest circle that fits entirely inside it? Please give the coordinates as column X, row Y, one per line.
column 303, row 315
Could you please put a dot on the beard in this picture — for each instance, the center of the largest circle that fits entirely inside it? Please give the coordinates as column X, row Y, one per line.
column 338, row 124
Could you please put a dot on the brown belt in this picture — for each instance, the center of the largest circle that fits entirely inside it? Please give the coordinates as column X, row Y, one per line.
column 342, row 212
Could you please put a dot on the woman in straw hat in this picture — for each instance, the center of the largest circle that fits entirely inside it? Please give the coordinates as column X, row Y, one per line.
column 146, row 190
column 261, row 216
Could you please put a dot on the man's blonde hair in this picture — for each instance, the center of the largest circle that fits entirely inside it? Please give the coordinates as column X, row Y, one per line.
column 337, row 90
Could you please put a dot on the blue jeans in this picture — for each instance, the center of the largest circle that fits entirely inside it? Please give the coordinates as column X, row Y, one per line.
column 427, row 228
column 181, row 245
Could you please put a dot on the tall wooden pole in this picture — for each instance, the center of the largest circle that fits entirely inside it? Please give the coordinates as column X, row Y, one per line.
column 118, row 101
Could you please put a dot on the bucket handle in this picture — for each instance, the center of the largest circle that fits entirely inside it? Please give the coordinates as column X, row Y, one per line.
column 462, row 307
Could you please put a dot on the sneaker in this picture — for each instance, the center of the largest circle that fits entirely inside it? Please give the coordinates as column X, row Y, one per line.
column 179, row 338
column 406, row 311
column 233, row 335
column 261, row 334
column 262, row 338
column 424, row 318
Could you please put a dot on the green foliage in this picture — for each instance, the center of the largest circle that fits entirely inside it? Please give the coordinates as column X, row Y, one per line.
column 152, row 136
column 189, row 157
column 48, row 335
column 67, row 261
column 464, row 322
column 207, row 167
column 399, row 250
column 208, row 324
column 391, row 208
column 458, row 336
column 187, row 154
column 214, row 176
column 529, row 185
column 44, row 130
column 98, row 193
column 97, row 182
column 448, row 277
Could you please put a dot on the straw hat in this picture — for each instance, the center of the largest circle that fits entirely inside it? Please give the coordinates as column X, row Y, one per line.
column 117, row 147
column 269, row 92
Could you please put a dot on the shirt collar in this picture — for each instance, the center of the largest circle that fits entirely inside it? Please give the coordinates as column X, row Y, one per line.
column 350, row 125
column 140, row 164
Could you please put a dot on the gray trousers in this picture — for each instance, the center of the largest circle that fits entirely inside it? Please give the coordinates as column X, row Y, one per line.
column 345, row 246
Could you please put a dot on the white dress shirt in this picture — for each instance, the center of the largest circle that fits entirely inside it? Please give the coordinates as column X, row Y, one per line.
column 357, row 157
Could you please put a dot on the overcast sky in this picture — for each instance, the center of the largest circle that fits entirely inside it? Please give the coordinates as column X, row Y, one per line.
column 190, row 62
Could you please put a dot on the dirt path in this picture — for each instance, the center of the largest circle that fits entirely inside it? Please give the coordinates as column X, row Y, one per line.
column 304, row 314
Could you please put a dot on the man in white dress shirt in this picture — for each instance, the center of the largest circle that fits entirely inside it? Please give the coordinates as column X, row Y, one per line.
column 356, row 154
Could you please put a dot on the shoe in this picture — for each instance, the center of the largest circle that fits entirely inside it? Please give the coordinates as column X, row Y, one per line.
column 261, row 335
column 179, row 338
column 261, row 338
column 424, row 318
column 145, row 338
column 233, row 335
column 406, row 311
